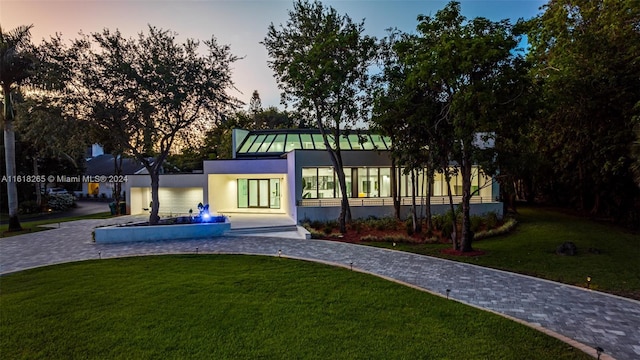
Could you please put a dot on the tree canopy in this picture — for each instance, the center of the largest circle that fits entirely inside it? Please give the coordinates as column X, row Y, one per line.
column 586, row 57
column 149, row 92
column 321, row 60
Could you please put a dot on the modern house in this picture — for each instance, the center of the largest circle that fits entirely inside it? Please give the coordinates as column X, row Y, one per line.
column 290, row 172
column 100, row 164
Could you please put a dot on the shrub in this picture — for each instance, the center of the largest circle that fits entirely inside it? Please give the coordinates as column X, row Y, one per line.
column 438, row 222
column 408, row 225
column 446, row 232
column 61, row 201
column 506, row 228
column 387, row 223
column 476, row 223
column 370, row 238
column 399, row 239
column 492, row 220
column 29, row 207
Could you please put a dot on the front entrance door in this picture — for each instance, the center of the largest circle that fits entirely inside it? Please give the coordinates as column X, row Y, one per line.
column 259, row 193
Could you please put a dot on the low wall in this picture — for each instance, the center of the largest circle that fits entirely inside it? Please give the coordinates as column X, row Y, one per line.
column 119, row 234
column 325, row 213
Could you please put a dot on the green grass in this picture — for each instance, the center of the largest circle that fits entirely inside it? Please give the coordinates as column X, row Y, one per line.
column 244, row 307
column 34, row 226
column 530, row 250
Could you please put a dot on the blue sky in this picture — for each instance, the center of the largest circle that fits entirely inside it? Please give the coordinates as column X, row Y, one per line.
column 242, row 24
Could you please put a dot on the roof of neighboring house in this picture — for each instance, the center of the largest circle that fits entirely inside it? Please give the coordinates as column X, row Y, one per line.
column 273, row 143
column 104, row 165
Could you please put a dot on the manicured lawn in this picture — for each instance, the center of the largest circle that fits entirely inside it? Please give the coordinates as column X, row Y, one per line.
column 33, row 226
column 244, row 307
column 614, row 267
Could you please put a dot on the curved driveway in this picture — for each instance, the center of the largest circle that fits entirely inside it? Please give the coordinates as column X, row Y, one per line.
column 573, row 314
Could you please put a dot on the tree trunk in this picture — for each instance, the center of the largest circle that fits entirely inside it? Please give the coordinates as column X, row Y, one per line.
column 37, row 185
column 395, row 193
column 155, row 203
column 467, row 234
column 454, row 230
column 414, row 215
column 10, row 161
column 428, row 205
column 336, row 160
column 117, row 186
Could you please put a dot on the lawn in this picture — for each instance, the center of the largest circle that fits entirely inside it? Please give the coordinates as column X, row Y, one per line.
column 244, row 307
column 613, row 263
column 33, row 226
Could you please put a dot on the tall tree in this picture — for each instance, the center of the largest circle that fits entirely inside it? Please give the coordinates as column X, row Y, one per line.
column 255, row 104
column 47, row 131
column 587, row 60
column 151, row 90
column 16, row 65
column 466, row 61
column 321, row 61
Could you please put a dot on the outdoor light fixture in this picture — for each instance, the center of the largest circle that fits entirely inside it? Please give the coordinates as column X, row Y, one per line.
column 448, row 291
column 100, row 255
column 196, row 251
column 279, row 253
column 588, row 282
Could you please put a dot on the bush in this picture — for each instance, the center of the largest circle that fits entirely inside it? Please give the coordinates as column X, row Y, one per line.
column 492, row 220
column 438, row 222
column 387, row 223
column 29, row 207
column 506, row 228
column 408, row 225
column 476, row 223
column 61, row 201
column 370, row 238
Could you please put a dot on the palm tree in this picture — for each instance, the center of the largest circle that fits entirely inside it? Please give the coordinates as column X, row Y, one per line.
column 15, row 66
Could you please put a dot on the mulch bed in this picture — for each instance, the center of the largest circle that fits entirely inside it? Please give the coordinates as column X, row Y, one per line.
column 354, row 237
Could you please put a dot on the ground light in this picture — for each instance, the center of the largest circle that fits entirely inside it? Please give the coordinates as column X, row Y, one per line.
column 588, row 282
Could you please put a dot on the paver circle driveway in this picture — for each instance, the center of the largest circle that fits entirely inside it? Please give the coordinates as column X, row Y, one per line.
column 588, row 317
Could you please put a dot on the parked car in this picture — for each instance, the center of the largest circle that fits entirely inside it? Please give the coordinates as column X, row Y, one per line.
column 56, row 191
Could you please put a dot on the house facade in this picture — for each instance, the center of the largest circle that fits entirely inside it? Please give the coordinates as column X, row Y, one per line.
column 290, row 172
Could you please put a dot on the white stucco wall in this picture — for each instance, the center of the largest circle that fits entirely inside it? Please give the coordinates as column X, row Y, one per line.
column 177, row 194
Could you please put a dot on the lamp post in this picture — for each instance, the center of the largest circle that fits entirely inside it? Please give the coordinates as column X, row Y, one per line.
column 588, row 282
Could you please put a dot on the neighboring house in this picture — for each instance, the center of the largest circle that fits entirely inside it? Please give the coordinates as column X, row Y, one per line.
column 100, row 164
column 290, row 172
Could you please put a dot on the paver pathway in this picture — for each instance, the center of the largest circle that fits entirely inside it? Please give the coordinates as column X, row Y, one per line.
column 589, row 317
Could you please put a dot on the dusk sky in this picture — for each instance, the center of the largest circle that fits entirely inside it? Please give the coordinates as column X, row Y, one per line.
column 241, row 24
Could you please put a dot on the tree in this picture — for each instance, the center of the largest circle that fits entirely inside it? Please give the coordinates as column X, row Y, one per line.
column 321, row 61
column 47, row 131
column 255, row 104
column 150, row 90
column 465, row 62
column 16, row 65
column 586, row 57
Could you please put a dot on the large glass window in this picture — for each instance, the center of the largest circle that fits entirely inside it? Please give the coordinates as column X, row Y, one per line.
column 243, row 193
column 278, row 144
column 307, row 142
column 385, row 182
column 274, row 187
column 293, row 142
column 310, row 183
column 326, row 183
column 257, row 143
column 319, row 142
